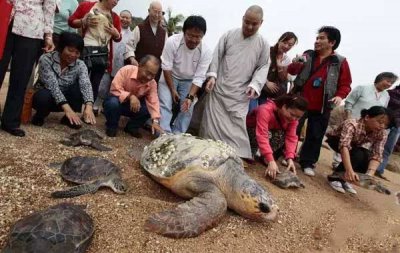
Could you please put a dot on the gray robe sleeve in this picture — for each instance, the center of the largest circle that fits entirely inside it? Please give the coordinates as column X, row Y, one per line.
column 260, row 74
column 217, row 56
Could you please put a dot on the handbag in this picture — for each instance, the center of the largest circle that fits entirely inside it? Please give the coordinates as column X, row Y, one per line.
column 95, row 57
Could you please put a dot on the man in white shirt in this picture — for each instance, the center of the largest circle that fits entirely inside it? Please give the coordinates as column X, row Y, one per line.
column 185, row 60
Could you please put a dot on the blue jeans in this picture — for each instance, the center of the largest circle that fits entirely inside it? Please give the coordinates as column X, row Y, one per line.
column 182, row 121
column 389, row 146
column 113, row 110
column 254, row 103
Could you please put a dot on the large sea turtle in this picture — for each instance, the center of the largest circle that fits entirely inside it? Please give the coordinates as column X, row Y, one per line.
column 211, row 175
column 63, row 228
column 85, row 137
column 91, row 173
column 365, row 181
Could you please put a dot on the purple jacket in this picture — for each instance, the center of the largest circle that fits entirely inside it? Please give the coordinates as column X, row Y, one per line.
column 394, row 104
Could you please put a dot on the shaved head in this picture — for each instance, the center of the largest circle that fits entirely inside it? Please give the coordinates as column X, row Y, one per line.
column 255, row 9
column 155, row 4
column 155, row 12
column 252, row 20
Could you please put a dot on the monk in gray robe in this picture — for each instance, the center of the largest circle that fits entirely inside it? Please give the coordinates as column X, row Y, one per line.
column 236, row 74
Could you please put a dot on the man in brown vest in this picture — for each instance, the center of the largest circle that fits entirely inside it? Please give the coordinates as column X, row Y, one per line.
column 148, row 37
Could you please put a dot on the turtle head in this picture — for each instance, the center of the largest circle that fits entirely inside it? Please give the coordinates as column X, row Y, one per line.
column 119, row 186
column 253, row 202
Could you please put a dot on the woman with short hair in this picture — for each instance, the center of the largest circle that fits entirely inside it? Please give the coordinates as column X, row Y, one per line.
column 350, row 140
column 64, row 84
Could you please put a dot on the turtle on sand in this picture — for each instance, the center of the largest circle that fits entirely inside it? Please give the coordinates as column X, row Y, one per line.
column 86, row 137
column 366, row 181
column 210, row 174
column 287, row 179
column 63, row 228
column 91, row 173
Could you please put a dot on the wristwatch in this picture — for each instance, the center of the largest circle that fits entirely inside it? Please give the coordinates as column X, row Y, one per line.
column 190, row 97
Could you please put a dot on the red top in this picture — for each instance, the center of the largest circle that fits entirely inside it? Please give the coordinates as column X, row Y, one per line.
column 263, row 119
column 80, row 13
column 315, row 96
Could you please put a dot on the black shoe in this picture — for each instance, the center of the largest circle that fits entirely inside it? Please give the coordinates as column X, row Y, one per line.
column 37, row 121
column 111, row 132
column 65, row 121
column 133, row 131
column 14, row 131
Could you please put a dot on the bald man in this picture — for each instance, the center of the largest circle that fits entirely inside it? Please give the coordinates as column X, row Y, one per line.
column 148, row 37
column 245, row 53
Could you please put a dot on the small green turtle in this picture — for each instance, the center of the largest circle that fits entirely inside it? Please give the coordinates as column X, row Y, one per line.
column 91, row 173
column 287, row 179
column 211, row 175
column 86, row 137
column 63, row 228
column 366, row 181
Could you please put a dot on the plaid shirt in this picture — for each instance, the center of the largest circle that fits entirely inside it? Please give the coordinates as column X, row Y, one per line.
column 352, row 134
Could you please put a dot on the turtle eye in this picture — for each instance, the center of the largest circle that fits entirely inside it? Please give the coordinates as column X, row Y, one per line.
column 264, row 208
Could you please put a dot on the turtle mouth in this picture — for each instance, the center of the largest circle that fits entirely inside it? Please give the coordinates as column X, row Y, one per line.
column 272, row 214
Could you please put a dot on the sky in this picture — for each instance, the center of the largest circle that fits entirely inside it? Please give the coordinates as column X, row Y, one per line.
column 370, row 28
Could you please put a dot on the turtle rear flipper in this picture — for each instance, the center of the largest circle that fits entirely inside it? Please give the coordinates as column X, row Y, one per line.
column 382, row 189
column 97, row 145
column 77, row 190
column 191, row 218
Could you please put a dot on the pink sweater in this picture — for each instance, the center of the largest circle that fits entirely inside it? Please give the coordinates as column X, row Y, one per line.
column 263, row 119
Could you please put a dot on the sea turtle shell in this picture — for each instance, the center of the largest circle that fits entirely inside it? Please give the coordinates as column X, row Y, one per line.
column 170, row 154
column 84, row 169
column 61, row 228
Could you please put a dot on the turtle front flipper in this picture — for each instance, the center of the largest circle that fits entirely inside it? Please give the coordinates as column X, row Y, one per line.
column 77, row 190
column 97, row 145
column 70, row 142
column 191, row 218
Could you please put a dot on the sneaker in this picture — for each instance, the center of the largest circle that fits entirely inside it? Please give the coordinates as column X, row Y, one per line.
column 133, row 131
column 349, row 188
column 337, row 186
column 309, row 171
column 111, row 132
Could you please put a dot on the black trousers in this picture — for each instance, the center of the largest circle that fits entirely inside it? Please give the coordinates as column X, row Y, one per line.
column 95, row 79
column 23, row 53
column 44, row 103
column 359, row 156
column 316, row 127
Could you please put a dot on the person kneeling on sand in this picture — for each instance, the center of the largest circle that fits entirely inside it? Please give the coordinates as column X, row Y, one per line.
column 64, row 84
column 133, row 94
column 350, row 139
column 272, row 130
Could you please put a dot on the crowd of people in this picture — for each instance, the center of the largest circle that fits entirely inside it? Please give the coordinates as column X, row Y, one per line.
column 255, row 98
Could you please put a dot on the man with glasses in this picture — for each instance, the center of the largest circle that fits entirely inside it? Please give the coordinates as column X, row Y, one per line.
column 185, row 60
column 148, row 37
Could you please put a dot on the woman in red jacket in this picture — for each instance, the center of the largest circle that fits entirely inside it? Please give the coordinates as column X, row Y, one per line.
column 100, row 26
column 272, row 130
